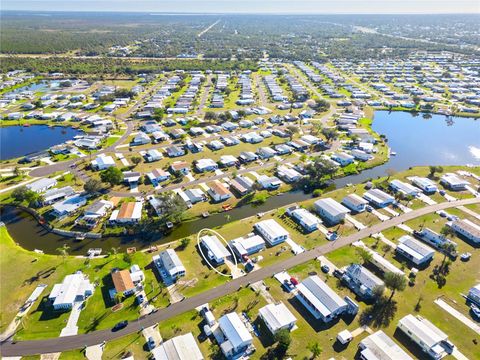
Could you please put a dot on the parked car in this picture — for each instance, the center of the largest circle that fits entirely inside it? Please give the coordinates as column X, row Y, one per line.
column 140, row 299
column 325, row 269
column 120, row 325
column 150, row 343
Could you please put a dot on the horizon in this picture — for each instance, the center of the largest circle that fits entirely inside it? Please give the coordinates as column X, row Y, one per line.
column 251, row 7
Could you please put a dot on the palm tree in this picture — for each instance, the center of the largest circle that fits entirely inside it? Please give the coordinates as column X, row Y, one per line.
column 63, row 251
column 395, row 282
column 315, row 349
column 119, row 296
column 364, row 254
column 114, row 250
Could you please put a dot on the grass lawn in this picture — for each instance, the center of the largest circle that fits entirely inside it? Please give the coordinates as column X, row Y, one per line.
column 117, row 349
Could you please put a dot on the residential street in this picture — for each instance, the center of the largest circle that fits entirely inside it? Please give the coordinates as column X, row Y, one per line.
column 80, row 341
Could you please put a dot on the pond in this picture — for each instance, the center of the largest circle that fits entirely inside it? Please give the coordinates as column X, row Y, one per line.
column 38, row 86
column 16, row 141
column 416, row 140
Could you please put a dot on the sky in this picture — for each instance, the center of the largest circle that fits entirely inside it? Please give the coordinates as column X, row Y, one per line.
column 253, row 6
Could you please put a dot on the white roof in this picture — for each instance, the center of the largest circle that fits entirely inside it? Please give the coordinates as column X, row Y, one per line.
column 234, row 329
column 41, row 184
column 415, row 248
column 423, row 329
column 377, row 196
column 453, row 179
column 72, row 286
column 170, row 261
column 272, row 228
column 103, row 160
column 246, row 243
column 203, row 163
column 320, row 295
column 277, row 316
column 183, row 347
column 331, row 206
column 306, row 217
column 379, row 346
column 213, row 244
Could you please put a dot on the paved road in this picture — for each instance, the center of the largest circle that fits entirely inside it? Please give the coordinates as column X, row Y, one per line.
column 33, row 347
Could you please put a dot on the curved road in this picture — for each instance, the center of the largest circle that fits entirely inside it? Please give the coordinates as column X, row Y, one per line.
column 33, row 347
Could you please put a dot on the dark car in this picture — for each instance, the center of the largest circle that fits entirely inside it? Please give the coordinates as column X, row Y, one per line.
column 140, row 299
column 325, row 269
column 121, row 325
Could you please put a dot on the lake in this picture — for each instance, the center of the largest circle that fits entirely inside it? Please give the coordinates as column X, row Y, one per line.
column 17, row 141
column 417, row 141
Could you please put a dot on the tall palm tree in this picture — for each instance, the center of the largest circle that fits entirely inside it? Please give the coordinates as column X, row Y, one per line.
column 63, row 251
column 394, row 282
column 315, row 349
column 118, row 297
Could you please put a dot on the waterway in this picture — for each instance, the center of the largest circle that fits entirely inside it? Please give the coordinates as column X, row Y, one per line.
column 417, row 141
column 16, row 141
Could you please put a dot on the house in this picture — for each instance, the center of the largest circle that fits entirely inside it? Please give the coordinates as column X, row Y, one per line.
column 271, row 231
column 453, row 182
column 427, row 336
column 426, row 185
column 218, row 191
column 95, row 212
column 320, row 300
column 474, row 294
column 141, row 139
column 228, row 160
column 355, row 203
column 194, row 195
column 330, row 210
column 248, row 156
column 361, row 155
column 287, row 174
column 468, row 229
column 157, row 176
column 122, row 282
column 215, row 145
column 242, row 184
column 378, row 346
column 68, row 206
column 41, row 185
column 169, row 266
column 277, row 317
column 378, row 198
column 182, row 347
column 229, row 126
column 252, row 138
column 175, row 151
column 245, row 246
column 52, row 195
column 414, row 250
column 361, row 281
column 203, row 165
column 269, row 182
column 103, row 162
column 432, row 238
column 304, row 218
column 237, row 337
column 310, row 139
column 404, row 188
column 342, row 158
column 214, row 248
column 74, row 288
column 153, row 155
column 131, row 177
column 266, row 152
column 283, row 149
column 180, row 167
column 129, row 212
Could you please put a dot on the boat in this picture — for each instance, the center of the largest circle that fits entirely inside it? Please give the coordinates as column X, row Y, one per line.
column 79, row 237
column 94, row 251
column 26, row 125
column 169, row 225
column 131, row 250
column 227, row 207
column 393, row 153
column 38, row 251
column 205, row 214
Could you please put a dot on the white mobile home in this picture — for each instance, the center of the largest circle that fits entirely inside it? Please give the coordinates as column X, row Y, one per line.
column 330, row 210
column 355, row 203
column 453, row 182
column 271, row 231
column 213, row 249
column 379, row 346
column 237, row 337
column 414, row 250
column 249, row 245
column 277, row 317
column 169, row 266
column 74, row 288
column 378, row 198
column 468, row 229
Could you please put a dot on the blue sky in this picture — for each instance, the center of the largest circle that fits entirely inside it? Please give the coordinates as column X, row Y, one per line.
column 252, row 6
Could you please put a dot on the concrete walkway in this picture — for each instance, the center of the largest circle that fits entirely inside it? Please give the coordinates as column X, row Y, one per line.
column 324, row 261
column 152, row 332
column 71, row 328
column 260, row 286
column 380, row 215
column 94, row 352
column 405, row 228
column 426, row 199
column 358, row 225
column 469, row 212
column 458, row 315
column 384, row 239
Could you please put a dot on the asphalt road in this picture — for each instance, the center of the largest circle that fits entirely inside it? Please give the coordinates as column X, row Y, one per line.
column 33, row 347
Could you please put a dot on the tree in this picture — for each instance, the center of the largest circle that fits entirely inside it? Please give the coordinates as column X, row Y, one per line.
column 292, row 130
column 434, row 169
column 364, row 254
column 330, row 134
column 184, row 243
column 63, row 251
column 17, row 171
column 22, row 194
column 119, row 296
column 315, row 349
column 114, row 251
column 320, row 169
column 136, row 160
column 394, row 282
column 390, row 172
column 112, row 176
column 283, row 338
column 171, row 207
column 447, row 231
column 210, row 116
column 92, row 186
column 158, row 114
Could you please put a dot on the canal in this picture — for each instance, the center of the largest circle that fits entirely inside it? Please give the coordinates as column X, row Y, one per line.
column 417, row 141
